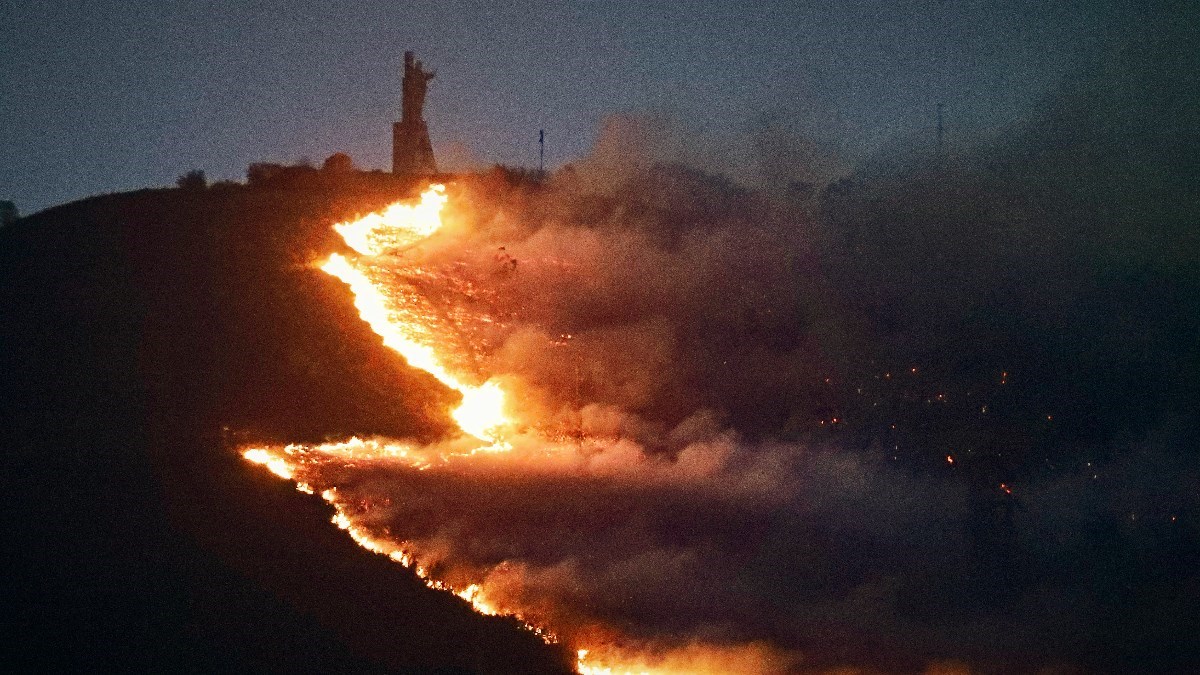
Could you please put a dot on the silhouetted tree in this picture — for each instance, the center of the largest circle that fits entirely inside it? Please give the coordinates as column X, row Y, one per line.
column 338, row 162
column 261, row 172
column 8, row 213
column 192, row 180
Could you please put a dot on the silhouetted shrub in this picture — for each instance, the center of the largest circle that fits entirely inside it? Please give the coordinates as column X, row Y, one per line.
column 192, row 180
column 8, row 213
column 338, row 162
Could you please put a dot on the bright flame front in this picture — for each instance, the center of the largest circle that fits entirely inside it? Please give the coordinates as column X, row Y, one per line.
column 481, row 413
column 398, row 226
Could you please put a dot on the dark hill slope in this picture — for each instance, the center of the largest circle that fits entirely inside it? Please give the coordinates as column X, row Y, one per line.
column 146, row 333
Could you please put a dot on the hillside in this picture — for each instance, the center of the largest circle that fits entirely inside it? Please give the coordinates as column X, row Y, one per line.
column 145, row 335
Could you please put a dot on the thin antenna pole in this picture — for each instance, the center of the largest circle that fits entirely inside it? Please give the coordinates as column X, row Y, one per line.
column 541, row 151
column 940, row 130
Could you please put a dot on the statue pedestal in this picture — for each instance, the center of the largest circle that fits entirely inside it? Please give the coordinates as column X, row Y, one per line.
column 412, row 153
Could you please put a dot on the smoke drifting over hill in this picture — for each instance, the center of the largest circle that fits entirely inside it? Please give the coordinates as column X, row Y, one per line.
column 896, row 423
column 935, row 412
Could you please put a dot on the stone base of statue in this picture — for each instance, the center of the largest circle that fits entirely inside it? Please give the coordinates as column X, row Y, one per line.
column 412, row 153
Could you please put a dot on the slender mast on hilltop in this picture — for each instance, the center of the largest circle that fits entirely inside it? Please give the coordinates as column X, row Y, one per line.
column 412, row 153
column 940, row 108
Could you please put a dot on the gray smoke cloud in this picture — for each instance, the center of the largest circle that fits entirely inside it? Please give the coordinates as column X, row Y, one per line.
column 792, row 417
column 670, row 337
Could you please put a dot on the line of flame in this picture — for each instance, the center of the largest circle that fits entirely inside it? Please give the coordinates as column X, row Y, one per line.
column 481, row 413
column 397, row 226
column 287, row 466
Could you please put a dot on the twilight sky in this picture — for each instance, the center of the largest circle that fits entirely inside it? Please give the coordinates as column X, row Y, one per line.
column 108, row 96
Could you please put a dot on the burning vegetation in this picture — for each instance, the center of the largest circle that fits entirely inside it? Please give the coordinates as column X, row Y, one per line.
column 933, row 416
column 682, row 423
column 408, row 324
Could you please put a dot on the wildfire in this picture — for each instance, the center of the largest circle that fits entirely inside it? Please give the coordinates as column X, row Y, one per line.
column 687, row 659
column 585, row 667
column 398, row 226
column 291, row 464
column 481, row 413
column 276, row 465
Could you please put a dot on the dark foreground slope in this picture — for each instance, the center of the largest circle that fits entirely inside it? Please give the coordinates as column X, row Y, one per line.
column 144, row 336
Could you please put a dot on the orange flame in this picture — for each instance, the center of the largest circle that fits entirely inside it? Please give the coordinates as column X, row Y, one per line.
column 292, row 462
column 398, row 226
column 276, row 465
column 481, row 413
column 688, row 659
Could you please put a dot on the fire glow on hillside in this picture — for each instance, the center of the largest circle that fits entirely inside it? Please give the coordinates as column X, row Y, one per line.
column 481, row 413
column 406, row 325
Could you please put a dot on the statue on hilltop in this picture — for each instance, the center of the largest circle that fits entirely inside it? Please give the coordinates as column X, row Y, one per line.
column 412, row 152
column 416, row 81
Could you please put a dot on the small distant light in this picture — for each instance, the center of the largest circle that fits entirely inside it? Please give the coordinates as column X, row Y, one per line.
column 949, row 459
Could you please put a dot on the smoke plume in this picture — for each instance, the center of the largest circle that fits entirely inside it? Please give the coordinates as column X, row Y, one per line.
column 895, row 421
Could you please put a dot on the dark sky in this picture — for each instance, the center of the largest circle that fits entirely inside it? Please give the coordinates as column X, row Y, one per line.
column 105, row 96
